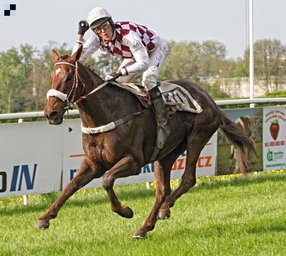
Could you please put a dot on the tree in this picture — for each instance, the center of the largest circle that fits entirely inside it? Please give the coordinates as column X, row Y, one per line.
column 269, row 62
column 13, row 79
column 241, row 68
column 211, row 55
column 181, row 62
column 214, row 49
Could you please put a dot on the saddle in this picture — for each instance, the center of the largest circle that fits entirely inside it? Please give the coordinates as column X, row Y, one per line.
column 176, row 98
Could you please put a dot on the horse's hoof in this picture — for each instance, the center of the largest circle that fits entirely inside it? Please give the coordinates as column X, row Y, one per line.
column 42, row 224
column 139, row 234
column 126, row 212
column 162, row 215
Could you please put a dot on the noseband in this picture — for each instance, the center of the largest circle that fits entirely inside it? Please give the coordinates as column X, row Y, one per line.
column 70, row 98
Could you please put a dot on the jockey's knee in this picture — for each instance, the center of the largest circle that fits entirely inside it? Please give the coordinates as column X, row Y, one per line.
column 149, row 79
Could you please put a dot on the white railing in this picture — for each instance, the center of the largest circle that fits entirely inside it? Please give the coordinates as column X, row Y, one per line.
column 31, row 114
column 249, row 101
column 218, row 102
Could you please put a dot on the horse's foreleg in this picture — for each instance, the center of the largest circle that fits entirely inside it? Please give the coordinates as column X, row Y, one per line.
column 83, row 176
column 162, row 175
column 124, row 168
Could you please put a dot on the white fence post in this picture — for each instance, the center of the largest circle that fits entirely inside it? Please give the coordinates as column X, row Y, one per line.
column 25, row 197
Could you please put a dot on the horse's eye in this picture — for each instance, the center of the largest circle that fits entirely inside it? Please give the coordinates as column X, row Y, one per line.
column 69, row 78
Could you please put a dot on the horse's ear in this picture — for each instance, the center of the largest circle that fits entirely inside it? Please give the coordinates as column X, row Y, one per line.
column 56, row 56
column 76, row 54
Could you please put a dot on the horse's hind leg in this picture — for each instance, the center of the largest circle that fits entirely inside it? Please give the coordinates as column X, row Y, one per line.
column 162, row 175
column 194, row 148
column 83, row 176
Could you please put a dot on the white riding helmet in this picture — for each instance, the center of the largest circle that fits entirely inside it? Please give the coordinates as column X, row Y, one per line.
column 97, row 16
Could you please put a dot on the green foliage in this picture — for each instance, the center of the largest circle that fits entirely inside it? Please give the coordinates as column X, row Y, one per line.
column 269, row 58
column 24, row 75
column 181, row 62
column 189, row 60
column 270, row 62
column 278, row 94
column 12, row 81
column 213, row 90
column 241, row 69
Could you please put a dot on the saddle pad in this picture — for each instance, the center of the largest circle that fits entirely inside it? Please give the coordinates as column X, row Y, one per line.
column 174, row 96
column 131, row 87
column 179, row 97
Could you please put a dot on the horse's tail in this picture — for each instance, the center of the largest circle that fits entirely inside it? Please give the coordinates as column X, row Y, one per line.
column 244, row 145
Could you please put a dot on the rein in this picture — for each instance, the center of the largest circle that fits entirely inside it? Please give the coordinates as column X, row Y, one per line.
column 65, row 97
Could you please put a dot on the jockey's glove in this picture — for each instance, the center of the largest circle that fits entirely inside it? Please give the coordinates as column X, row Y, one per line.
column 82, row 27
column 114, row 75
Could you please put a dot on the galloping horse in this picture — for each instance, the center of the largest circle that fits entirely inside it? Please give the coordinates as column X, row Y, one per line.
column 122, row 150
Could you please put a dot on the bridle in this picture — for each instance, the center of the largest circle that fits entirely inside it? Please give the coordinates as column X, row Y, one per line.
column 70, row 97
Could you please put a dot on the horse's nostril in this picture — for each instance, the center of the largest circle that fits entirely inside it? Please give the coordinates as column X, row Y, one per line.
column 53, row 115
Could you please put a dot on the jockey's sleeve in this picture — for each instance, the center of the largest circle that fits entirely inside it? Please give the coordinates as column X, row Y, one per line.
column 139, row 52
column 90, row 46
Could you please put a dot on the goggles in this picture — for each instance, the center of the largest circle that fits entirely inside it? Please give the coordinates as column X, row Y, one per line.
column 101, row 28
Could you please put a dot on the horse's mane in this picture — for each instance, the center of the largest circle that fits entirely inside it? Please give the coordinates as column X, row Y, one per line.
column 88, row 67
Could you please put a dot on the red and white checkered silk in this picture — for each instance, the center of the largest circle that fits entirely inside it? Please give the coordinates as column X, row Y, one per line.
column 116, row 47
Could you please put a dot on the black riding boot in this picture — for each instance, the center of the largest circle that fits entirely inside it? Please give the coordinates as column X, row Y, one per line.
column 163, row 130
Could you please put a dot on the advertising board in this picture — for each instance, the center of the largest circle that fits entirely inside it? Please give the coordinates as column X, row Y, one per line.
column 274, row 138
column 30, row 158
column 39, row 158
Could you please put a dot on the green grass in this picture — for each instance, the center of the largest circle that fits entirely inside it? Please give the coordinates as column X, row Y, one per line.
column 221, row 215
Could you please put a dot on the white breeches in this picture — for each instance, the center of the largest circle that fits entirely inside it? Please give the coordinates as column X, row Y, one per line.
column 157, row 58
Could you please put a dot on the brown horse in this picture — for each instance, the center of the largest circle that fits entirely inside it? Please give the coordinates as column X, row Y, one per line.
column 122, row 151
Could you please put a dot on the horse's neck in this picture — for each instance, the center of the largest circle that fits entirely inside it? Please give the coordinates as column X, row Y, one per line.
column 94, row 109
column 87, row 73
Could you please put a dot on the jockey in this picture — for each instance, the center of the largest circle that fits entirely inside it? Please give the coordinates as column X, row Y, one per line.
column 142, row 50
